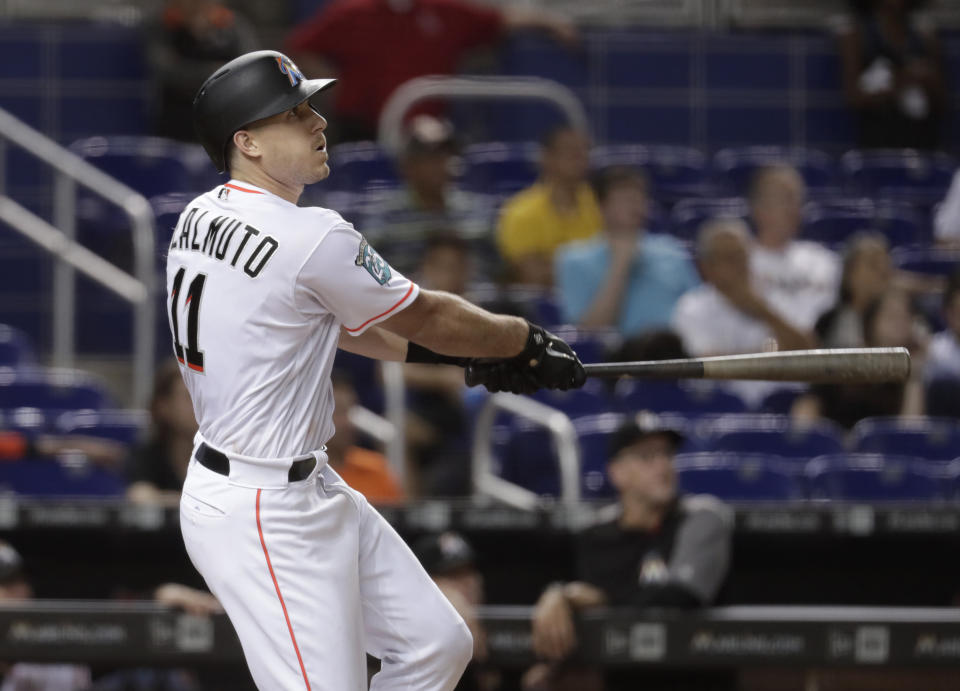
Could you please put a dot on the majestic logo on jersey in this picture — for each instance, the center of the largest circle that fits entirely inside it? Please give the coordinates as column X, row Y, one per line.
column 368, row 258
column 288, row 68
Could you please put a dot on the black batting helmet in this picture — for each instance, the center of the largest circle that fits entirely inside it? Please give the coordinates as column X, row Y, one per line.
column 249, row 88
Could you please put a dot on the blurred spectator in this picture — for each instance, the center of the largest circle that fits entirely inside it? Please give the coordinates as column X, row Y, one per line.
column 366, row 471
column 797, row 277
column 399, row 223
column 159, row 466
column 942, row 374
column 654, row 548
column 558, row 209
column 437, row 431
column 726, row 314
column 625, row 277
column 946, row 220
column 374, row 46
column 889, row 321
column 943, row 360
column 186, row 42
column 893, row 75
column 451, row 562
column 16, row 445
column 867, row 274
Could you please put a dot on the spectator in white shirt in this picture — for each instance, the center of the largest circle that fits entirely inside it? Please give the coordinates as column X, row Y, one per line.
column 726, row 314
column 943, row 358
column 799, row 278
column 946, row 220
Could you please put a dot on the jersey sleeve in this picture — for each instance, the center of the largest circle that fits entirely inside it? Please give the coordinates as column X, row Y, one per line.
column 345, row 276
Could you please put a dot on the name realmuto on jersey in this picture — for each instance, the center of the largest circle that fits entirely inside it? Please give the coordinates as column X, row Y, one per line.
column 224, row 238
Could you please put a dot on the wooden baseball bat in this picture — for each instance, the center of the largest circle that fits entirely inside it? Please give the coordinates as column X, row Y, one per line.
column 845, row 365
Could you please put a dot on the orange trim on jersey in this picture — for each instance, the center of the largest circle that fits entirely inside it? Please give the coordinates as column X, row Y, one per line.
column 282, row 603
column 241, row 189
column 195, row 368
column 383, row 314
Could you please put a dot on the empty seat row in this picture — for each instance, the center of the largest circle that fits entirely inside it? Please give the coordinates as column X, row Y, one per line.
column 156, row 166
column 527, row 454
column 841, row 477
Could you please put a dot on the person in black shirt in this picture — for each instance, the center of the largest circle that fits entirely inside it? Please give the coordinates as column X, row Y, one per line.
column 653, row 548
column 893, row 75
column 158, row 466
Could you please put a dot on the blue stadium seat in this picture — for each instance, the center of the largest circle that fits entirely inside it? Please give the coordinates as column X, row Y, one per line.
column 15, row 348
column 362, row 167
column 51, row 389
column 922, row 178
column 834, row 221
column 66, row 477
column 675, row 172
column 121, row 425
column 737, row 476
column 528, row 457
column 500, row 168
column 930, row 261
column 592, row 398
column 150, row 165
column 934, row 439
column 691, row 399
column 875, row 477
column 28, row 419
column 689, row 214
column 780, row 400
column 735, row 167
column 773, row 435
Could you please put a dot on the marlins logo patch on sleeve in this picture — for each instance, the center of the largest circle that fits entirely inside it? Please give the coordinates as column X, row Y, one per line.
column 368, row 258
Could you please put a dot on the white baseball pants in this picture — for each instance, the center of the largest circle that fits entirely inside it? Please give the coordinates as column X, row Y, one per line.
column 312, row 577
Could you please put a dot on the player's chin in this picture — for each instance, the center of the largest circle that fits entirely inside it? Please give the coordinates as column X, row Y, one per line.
column 322, row 172
column 318, row 173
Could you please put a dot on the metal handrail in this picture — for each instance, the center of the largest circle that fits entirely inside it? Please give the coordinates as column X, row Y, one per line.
column 70, row 170
column 385, row 431
column 395, row 409
column 485, row 481
column 501, row 87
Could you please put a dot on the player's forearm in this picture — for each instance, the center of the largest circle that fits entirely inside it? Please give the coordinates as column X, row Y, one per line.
column 375, row 343
column 450, row 325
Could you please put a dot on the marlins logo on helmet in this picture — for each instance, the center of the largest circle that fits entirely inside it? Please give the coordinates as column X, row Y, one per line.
column 288, row 68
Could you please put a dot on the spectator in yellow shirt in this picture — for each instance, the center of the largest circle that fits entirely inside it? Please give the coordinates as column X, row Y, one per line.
column 558, row 208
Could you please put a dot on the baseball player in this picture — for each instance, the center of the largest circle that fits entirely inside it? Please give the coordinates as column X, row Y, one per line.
column 261, row 293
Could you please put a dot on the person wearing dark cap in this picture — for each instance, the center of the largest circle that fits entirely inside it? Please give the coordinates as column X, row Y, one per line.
column 429, row 203
column 655, row 547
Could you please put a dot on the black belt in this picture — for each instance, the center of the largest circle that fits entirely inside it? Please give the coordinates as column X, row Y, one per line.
column 300, row 469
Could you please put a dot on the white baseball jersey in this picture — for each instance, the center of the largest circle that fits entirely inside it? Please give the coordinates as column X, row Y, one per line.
column 257, row 290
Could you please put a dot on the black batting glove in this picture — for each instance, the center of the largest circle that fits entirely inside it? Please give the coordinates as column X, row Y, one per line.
column 501, row 375
column 552, row 362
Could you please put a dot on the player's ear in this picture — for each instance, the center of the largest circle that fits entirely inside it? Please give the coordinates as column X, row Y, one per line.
column 246, row 143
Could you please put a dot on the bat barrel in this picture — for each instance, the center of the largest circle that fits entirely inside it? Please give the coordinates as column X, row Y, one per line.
column 850, row 365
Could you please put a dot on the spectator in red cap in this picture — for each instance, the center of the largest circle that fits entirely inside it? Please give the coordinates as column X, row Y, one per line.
column 374, row 46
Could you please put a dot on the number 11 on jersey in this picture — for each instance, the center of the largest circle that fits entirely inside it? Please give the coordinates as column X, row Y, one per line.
column 194, row 356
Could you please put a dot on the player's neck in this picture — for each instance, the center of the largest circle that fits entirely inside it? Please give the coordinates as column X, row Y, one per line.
column 259, row 178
